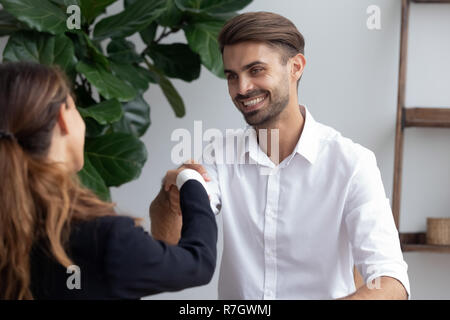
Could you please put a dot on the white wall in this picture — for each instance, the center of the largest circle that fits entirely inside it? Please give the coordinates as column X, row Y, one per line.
column 350, row 83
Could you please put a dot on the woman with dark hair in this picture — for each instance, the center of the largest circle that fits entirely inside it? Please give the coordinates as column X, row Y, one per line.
column 49, row 222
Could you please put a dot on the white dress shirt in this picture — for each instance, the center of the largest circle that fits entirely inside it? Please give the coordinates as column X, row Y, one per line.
column 297, row 232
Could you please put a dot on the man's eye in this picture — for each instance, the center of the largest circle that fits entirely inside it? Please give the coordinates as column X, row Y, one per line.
column 256, row 70
column 231, row 77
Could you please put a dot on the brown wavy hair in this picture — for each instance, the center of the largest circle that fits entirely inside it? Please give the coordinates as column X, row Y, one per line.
column 38, row 199
column 267, row 27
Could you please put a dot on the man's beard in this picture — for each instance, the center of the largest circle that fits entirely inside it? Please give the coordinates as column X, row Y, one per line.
column 270, row 113
column 276, row 104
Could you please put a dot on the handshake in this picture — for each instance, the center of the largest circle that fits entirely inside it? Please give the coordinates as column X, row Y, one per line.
column 165, row 210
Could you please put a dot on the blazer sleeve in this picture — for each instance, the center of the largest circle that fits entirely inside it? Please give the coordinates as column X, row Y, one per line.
column 138, row 265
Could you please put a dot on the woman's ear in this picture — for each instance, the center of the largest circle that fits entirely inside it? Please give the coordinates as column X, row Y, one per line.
column 63, row 119
column 298, row 63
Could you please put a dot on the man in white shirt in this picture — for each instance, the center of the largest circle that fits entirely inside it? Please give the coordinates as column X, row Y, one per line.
column 296, row 220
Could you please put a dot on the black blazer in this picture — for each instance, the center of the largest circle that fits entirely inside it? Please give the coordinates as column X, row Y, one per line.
column 118, row 260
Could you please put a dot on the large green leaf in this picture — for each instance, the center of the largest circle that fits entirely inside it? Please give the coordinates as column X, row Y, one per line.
column 146, row 74
column 105, row 112
column 118, row 157
column 42, row 48
column 83, row 97
column 134, row 18
column 43, row 16
column 172, row 16
column 211, row 6
column 169, row 91
column 8, row 23
column 95, row 129
column 177, row 60
column 106, row 83
column 131, row 75
column 202, row 38
column 91, row 179
column 206, row 16
column 172, row 95
column 148, row 33
column 123, row 51
column 92, row 8
column 89, row 50
column 136, row 118
column 65, row 3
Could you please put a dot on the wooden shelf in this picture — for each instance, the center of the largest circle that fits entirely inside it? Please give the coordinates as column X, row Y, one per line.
column 412, row 117
column 425, row 248
column 426, row 117
column 431, row 1
column 416, row 242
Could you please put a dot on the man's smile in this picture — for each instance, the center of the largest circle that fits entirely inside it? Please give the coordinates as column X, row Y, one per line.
column 253, row 103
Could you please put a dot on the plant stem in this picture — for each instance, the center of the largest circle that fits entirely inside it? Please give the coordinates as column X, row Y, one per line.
column 149, row 65
column 164, row 34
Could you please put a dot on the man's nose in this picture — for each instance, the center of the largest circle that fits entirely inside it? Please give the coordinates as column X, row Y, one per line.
column 245, row 85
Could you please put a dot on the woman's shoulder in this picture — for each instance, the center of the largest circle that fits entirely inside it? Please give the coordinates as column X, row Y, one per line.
column 103, row 223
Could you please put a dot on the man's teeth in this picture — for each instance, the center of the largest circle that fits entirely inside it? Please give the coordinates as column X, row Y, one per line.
column 253, row 102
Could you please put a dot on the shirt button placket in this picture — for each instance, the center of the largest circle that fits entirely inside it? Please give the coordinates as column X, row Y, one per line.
column 270, row 231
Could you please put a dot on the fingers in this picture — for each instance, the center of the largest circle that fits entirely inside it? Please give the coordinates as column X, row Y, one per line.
column 174, row 196
column 191, row 164
column 171, row 175
column 170, row 179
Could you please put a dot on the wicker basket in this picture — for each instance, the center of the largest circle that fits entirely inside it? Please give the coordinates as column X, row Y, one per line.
column 438, row 231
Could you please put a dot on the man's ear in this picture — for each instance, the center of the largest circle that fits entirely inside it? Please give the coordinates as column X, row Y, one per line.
column 298, row 63
column 62, row 119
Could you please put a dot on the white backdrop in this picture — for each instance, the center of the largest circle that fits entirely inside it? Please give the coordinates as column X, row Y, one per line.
column 350, row 83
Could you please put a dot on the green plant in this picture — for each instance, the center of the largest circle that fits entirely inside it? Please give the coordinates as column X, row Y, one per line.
column 109, row 84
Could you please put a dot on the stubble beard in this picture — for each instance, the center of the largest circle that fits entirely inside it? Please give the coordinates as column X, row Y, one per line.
column 276, row 104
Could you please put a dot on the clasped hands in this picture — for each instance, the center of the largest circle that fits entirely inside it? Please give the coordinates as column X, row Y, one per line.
column 165, row 210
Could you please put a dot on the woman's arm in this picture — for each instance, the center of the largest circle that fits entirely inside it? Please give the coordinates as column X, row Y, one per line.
column 165, row 211
column 138, row 265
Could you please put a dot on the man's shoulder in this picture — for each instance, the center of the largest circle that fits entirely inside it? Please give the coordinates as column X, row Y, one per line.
column 341, row 147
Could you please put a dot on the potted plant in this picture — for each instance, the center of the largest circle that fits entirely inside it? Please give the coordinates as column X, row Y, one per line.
column 109, row 76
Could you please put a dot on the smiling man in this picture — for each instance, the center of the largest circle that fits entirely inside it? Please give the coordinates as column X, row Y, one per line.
column 297, row 232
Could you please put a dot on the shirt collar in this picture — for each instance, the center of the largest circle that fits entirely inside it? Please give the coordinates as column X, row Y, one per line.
column 307, row 146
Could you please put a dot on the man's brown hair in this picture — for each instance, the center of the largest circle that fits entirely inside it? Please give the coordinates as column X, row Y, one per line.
column 267, row 27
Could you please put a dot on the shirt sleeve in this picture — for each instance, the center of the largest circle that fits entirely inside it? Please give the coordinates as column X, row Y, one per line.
column 212, row 186
column 138, row 265
column 370, row 226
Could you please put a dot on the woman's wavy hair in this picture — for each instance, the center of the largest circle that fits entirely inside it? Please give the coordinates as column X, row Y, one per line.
column 38, row 199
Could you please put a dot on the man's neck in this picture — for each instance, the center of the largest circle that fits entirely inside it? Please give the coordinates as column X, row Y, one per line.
column 290, row 126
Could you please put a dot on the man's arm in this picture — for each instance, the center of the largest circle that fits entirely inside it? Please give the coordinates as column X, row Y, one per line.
column 382, row 288
column 373, row 236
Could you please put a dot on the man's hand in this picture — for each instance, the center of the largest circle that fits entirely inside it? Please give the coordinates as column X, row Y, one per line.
column 171, row 175
column 165, row 211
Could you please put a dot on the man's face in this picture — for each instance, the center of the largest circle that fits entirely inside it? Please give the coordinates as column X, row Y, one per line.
column 257, row 81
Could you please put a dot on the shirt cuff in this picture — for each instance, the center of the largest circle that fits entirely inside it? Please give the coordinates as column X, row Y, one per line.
column 188, row 174
column 395, row 271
